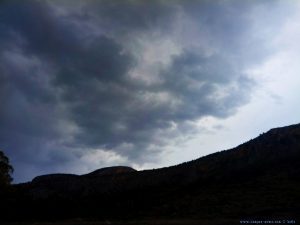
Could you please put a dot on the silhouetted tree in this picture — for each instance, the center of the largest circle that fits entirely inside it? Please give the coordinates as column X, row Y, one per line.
column 5, row 170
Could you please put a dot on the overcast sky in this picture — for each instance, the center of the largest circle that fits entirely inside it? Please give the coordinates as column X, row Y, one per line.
column 88, row 84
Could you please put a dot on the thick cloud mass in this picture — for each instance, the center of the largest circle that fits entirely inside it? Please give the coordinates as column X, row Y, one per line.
column 102, row 82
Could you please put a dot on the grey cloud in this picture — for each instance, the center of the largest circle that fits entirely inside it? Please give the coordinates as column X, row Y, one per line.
column 206, row 85
column 133, row 15
column 67, row 87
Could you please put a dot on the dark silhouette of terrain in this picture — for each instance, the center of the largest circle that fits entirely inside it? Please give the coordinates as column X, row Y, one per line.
column 258, row 179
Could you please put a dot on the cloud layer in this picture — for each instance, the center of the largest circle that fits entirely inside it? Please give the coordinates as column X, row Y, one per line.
column 86, row 84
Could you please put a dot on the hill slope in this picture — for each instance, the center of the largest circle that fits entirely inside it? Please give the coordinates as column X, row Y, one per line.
column 260, row 178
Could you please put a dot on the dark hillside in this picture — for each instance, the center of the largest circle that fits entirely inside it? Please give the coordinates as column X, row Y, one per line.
column 258, row 179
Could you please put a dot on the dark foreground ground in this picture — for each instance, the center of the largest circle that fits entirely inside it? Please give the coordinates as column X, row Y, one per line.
column 165, row 222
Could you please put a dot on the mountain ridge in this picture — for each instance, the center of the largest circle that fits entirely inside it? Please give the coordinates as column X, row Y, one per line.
column 258, row 177
column 269, row 132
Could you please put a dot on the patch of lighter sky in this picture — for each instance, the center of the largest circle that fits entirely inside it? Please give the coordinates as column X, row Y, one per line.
column 92, row 160
column 274, row 103
column 155, row 52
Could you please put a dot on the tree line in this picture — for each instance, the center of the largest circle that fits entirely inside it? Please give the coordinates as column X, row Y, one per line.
column 5, row 171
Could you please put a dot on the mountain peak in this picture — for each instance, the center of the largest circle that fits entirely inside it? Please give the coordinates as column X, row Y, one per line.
column 111, row 171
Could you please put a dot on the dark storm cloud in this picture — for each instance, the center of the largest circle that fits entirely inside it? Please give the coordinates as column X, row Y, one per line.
column 209, row 86
column 67, row 85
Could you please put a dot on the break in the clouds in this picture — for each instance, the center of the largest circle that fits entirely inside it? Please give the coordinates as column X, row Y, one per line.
column 86, row 84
